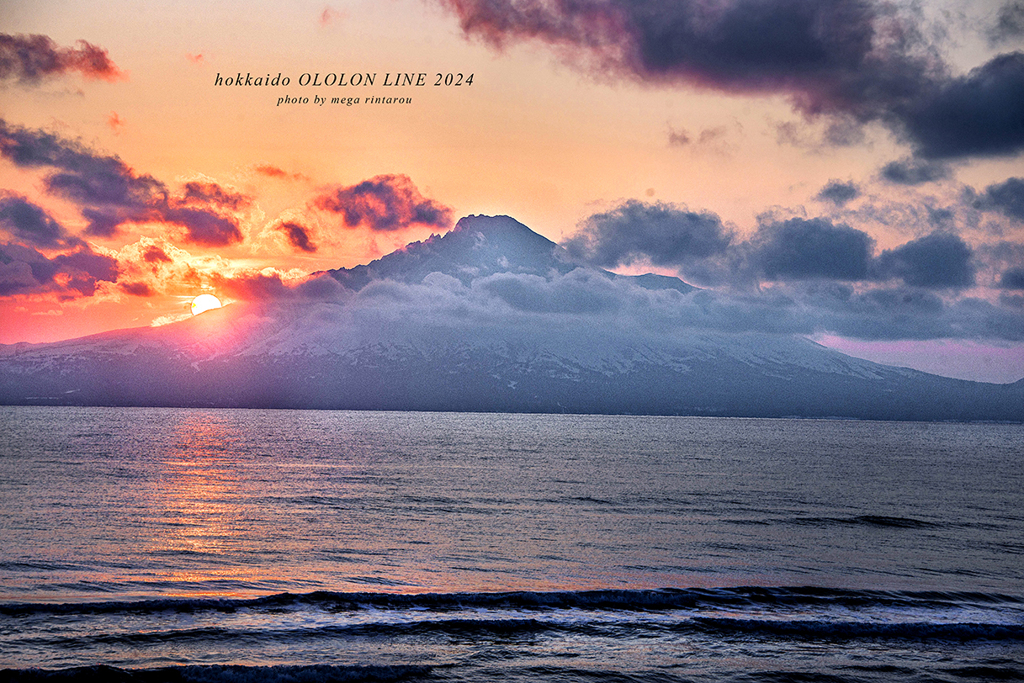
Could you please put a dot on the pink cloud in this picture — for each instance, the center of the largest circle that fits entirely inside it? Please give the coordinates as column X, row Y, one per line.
column 33, row 57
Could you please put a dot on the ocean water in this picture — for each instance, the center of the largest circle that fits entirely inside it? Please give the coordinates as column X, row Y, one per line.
column 238, row 545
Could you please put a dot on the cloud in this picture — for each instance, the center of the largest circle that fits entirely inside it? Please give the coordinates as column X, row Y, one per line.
column 581, row 291
column 329, row 15
column 298, row 236
column 518, row 302
column 713, row 139
column 252, row 286
column 30, row 223
column 271, row 171
column 857, row 60
column 666, row 234
column 782, row 250
column 1012, row 278
column 110, row 193
column 910, row 171
column 24, row 270
column 838, row 192
column 938, row 260
column 1009, row 22
column 800, row 249
column 911, row 313
column 385, row 203
column 203, row 226
column 679, row 138
column 1006, row 197
column 116, row 123
column 975, row 115
column 30, row 58
column 136, row 289
column 81, row 175
column 213, row 193
column 155, row 254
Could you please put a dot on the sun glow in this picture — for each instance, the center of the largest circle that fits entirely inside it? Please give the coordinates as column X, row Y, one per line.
column 204, row 302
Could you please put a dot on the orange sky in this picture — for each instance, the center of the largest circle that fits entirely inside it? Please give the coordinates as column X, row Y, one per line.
column 539, row 135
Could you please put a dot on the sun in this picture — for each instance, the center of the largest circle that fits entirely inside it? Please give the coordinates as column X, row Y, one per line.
column 204, row 302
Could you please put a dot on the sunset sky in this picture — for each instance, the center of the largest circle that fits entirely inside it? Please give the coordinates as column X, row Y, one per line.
column 858, row 164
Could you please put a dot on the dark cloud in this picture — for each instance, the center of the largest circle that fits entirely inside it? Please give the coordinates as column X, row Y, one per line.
column 385, row 203
column 1007, row 197
column 665, row 234
column 203, row 226
column 155, row 254
column 30, row 58
column 81, row 175
column 793, row 250
column 980, row 114
column 110, row 193
column 800, row 249
column 1012, row 279
column 298, row 236
column 136, row 289
column 26, row 221
column 938, row 260
column 1009, row 22
column 743, row 45
column 858, row 60
column 838, row 192
column 212, row 193
column 23, row 270
column 912, row 171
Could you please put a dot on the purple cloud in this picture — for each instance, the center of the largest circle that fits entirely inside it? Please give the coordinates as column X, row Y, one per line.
column 1006, row 197
column 852, row 58
column 666, row 234
column 838, row 192
column 212, row 193
column 31, row 223
column 111, row 194
column 31, row 58
column 23, row 270
column 934, row 261
column 298, row 236
column 801, row 249
column 385, row 203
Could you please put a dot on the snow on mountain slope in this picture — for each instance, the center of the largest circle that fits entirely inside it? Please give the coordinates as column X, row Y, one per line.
column 490, row 316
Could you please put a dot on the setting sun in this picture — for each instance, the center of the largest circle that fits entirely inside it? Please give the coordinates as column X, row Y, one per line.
column 204, row 302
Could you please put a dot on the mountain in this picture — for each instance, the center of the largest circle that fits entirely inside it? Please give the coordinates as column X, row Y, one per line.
column 489, row 317
column 480, row 246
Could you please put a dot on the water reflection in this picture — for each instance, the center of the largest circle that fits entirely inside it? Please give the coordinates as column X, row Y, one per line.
column 200, row 515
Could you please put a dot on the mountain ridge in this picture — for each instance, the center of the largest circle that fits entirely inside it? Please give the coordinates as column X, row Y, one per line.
column 489, row 239
column 488, row 317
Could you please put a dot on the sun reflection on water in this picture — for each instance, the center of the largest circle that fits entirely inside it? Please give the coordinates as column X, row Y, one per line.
column 204, row 517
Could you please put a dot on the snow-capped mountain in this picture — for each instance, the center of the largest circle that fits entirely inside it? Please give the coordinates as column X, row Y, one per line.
column 489, row 317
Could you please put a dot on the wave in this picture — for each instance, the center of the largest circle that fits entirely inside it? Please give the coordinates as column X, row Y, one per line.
column 766, row 612
column 750, row 597
column 518, row 636
column 882, row 521
column 218, row 674
column 804, row 630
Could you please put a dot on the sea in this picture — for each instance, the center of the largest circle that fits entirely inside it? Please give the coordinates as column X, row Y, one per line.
column 142, row 544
